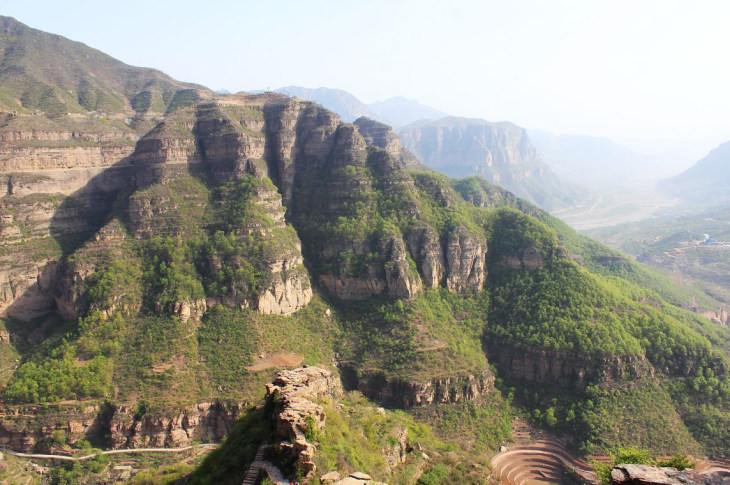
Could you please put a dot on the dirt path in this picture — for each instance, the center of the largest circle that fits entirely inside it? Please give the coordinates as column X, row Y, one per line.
column 278, row 361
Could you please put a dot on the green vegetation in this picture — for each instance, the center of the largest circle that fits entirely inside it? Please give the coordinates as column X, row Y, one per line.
column 479, row 426
column 228, row 463
column 639, row 456
column 60, row 376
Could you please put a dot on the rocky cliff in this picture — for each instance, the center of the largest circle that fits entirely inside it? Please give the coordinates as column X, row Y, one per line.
column 118, row 426
column 653, row 475
column 500, row 152
column 563, row 368
column 403, row 393
column 60, row 177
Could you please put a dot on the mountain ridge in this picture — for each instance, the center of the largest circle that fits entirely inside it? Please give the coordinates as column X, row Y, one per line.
column 705, row 183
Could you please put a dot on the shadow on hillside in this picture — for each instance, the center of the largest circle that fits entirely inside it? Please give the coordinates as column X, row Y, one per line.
column 73, row 223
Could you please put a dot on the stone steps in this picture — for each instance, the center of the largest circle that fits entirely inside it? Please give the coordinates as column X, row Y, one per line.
column 252, row 475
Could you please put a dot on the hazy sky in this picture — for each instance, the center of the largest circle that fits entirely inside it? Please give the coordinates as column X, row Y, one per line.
column 625, row 69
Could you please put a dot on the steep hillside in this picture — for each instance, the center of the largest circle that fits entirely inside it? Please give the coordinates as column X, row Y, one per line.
column 500, row 152
column 430, row 280
column 49, row 73
column 706, row 183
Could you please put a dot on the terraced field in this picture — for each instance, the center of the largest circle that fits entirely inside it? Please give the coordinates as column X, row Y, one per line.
column 543, row 461
column 548, row 461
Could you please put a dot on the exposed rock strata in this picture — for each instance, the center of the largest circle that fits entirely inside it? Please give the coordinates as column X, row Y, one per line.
column 290, row 396
column 500, row 152
column 402, row 393
column 551, row 366
column 119, row 427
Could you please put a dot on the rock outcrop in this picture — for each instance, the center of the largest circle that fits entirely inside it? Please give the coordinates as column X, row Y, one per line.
column 572, row 370
column 652, row 475
column 403, row 393
column 119, row 426
column 290, row 397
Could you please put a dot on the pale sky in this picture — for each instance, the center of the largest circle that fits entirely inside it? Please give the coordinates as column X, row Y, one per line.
column 622, row 69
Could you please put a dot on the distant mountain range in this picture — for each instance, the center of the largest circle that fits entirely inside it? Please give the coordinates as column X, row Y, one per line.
column 707, row 183
column 597, row 161
column 396, row 111
column 401, row 111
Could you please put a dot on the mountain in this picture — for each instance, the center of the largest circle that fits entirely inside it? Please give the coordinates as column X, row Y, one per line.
column 401, row 111
column 341, row 102
column 707, row 183
column 48, row 73
column 500, row 152
column 396, row 111
column 155, row 277
column 597, row 161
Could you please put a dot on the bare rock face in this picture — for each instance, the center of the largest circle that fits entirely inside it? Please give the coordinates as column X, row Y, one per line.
column 652, row 475
column 400, row 393
column 379, row 135
column 466, row 261
column 500, row 152
column 206, row 422
column 529, row 258
column 550, row 366
column 290, row 395
column 121, row 427
column 59, row 178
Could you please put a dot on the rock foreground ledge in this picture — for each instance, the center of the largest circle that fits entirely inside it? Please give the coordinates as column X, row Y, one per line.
column 653, row 475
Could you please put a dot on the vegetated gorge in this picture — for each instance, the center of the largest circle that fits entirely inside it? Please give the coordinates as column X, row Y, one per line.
column 166, row 251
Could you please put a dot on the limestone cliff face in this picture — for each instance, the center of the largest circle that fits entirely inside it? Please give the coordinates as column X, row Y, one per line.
column 379, row 135
column 571, row 370
column 402, row 393
column 321, row 169
column 58, row 183
column 219, row 141
column 120, row 427
column 500, row 152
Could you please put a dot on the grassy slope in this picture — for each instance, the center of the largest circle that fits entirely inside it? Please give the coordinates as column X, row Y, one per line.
column 46, row 72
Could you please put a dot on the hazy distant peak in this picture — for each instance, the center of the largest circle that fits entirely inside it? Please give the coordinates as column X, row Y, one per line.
column 460, row 122
column 403, row 111
column 341, row 102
